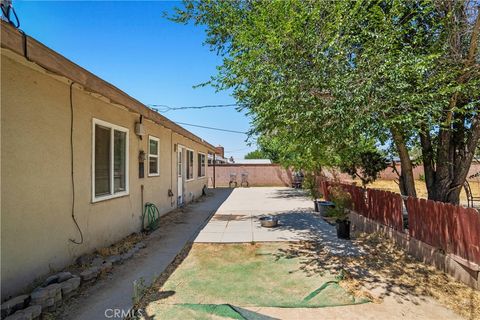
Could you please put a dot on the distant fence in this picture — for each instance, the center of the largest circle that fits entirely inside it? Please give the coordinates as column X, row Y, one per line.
column 259, row 175
column 453, row 229
column 391, row 174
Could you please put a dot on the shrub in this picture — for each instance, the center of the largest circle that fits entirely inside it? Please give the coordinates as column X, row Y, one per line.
column 310, row 184
column 343, row 200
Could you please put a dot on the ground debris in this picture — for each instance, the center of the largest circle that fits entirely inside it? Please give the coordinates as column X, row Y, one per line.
column 386, row 269
column 122, row 246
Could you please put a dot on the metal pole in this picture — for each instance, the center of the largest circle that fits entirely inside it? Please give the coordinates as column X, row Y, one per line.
column 214, row 170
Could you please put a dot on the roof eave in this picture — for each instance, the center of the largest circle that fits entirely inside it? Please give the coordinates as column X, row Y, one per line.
column 36, row 52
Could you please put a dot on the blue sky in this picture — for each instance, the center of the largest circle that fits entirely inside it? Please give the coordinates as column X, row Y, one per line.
column 132, row 46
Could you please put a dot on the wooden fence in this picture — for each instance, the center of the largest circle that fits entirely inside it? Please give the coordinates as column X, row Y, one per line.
column 454, row 229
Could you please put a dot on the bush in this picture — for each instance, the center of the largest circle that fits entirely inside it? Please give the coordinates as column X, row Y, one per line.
column 310, row 184
column 343, row 200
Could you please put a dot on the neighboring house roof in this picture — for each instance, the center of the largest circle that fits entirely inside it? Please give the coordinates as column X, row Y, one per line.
column 253, row 161
column 36, row 52
column 217, row 158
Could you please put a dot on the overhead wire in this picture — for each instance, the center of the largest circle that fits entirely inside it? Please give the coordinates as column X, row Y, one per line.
column 210, row 128
column 166, row 108
column 163, row 108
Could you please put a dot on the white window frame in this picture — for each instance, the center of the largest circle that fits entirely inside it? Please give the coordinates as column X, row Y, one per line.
column 154, row 156
column 193, row 165
column 204, row 166
column 113, row 194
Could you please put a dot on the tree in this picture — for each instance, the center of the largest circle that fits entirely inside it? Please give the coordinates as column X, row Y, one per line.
column 256, row 154
column 366, row 166
column 317, row 77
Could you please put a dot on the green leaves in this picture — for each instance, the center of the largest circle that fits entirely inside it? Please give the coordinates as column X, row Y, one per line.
column 323, row 80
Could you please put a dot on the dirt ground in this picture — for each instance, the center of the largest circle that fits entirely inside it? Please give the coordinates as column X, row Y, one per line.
column 385, row 275
column 386, row 270
column 245, row 275
column 391, row 185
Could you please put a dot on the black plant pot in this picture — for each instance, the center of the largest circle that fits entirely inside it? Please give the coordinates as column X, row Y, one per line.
column 343, row 229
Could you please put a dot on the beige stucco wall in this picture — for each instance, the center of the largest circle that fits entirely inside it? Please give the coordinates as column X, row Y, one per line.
column 36, row 189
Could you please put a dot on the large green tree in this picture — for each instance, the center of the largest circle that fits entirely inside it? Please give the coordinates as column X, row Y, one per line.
column 321, row 78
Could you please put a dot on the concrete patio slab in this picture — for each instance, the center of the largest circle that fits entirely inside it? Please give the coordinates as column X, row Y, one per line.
column 209, row 237
column 236, row 237
column 294, row 210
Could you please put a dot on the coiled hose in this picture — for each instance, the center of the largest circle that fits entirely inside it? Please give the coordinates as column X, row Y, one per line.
column 153, row 217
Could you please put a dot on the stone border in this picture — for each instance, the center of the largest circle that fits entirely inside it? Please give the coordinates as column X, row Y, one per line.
column 461, row 269
column 60, row 287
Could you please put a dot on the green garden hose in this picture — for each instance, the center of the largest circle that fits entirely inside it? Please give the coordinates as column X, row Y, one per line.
column 153, row 217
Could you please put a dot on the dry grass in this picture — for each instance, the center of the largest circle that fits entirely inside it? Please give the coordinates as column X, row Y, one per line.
column 391, row 185
column 123, row 246
column 386, row 269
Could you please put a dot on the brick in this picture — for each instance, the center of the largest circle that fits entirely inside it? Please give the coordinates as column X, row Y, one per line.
column 89, row 274
column 116, row 259
column 56, row 278
column 34, row 310
column 75, row 281
column 14, row 304
column 17, row 316
column 30, row 313
column 64, row 276
column 53, row 290
column 39, row 296
column 98, row 261
column 47, row 303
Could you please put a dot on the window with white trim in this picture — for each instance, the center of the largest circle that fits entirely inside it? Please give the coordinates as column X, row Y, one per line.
column 189, row 164
column 110, row 161
column 153, row 156
column 201, row 165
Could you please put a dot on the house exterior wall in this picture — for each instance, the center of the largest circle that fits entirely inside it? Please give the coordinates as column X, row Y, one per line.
column 36, row 184
column 259, row 175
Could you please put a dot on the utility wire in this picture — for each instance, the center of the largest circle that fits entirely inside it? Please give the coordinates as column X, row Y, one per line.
column 211, row 128
column 165, row 108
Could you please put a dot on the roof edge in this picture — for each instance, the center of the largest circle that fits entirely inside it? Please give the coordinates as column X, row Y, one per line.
column 38, row 53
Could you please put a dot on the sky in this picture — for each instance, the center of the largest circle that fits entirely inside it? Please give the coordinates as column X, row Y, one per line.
column 132, row 46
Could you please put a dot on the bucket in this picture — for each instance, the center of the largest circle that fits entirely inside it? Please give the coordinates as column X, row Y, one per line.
column 322, row 206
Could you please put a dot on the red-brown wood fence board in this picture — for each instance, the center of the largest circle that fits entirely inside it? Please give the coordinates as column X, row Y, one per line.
column 466, row 238
column 386, row 208
column 454, row 229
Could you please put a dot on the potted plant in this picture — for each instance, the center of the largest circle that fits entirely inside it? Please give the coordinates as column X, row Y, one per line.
column 309, row 183
column 342, row 201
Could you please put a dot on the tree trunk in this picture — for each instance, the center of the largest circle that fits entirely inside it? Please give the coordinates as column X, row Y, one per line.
column 407, row 181
column 428, row 161
column 456, row 140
